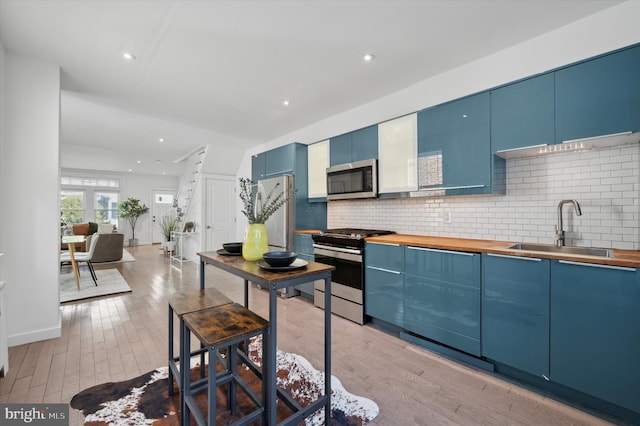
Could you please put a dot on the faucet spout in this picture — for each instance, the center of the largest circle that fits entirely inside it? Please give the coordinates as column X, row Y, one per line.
column 559, row 239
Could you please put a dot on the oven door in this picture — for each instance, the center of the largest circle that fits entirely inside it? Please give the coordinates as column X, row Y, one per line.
column 348, row 273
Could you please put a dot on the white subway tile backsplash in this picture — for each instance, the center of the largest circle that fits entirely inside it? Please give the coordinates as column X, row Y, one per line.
column 606, row 183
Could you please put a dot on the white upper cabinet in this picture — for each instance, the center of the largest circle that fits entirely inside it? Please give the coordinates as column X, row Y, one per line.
column 318, row 161
column 398, row 155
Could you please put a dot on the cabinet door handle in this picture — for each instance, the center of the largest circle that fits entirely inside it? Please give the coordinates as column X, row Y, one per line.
column 441, row 188
column 375, row 268
column 530, row 259
column 385, row 244
column 462, row 253
column 596, row 265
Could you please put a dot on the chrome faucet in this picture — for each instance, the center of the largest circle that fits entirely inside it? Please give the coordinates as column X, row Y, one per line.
column 559, row 239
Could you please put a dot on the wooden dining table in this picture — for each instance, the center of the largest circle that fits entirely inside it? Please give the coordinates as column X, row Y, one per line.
column 71, row 241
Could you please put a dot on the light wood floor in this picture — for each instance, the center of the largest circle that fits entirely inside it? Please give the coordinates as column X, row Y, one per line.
column 116, row 338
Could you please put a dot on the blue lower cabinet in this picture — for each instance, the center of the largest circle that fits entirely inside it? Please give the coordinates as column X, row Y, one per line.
column 515, row 312
column 384, row 282
column 595, row 331
column 442, row 297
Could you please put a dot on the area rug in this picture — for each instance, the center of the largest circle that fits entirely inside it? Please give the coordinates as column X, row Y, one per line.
column 110, row 281
column 145, row 399
column 126, row 257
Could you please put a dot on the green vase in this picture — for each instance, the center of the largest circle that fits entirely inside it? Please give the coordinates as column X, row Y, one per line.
column 254, row 244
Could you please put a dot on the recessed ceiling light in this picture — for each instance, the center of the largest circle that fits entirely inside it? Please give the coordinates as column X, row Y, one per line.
column 161, row 140
column 130, row 170
column 164, row 173
column 285, row 102
column 128, row 56
column 368, row 57
column 138, row 161
column 158, row 161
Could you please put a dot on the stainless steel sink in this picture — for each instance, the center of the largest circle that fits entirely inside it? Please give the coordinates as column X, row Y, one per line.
column 550, row 248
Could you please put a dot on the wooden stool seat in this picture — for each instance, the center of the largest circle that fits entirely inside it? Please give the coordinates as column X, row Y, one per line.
column 217, row 328
column 181, row 303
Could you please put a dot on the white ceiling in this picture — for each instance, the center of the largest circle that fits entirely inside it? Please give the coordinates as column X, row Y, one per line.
column 217, row 72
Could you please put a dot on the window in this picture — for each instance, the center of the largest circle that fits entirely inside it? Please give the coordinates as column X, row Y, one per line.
column 89, row 199
column 106, row 207
column 72, row 206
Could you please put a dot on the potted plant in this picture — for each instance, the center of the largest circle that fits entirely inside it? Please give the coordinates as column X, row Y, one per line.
column 131, row 209
column 169, row 224
column 255, row 237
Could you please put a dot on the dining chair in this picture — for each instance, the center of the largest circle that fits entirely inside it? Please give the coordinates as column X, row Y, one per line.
column 84, row 256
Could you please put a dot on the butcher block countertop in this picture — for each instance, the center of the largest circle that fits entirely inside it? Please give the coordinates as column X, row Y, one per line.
column 628, row 258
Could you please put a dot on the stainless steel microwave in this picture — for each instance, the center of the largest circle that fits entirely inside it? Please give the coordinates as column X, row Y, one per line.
column 353, row 180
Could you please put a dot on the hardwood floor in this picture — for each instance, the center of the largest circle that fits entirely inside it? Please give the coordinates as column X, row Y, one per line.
column 115, row 338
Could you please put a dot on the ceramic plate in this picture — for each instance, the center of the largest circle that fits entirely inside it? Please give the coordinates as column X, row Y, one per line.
column 297, row 264
column 226, row 253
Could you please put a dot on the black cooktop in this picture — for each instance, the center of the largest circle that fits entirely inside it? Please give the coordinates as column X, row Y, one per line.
column 347, row 237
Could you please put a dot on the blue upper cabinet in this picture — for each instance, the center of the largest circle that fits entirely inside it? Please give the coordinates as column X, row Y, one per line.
column 598, row 97
column 281, row 160
column 522, row 114
column 358, row 145
column 340, row 149
column 258, row 167
column 515, row 312
column 364, row 144
column 460, row 132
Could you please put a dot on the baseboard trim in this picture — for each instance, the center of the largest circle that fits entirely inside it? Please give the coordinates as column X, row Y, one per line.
column 36, row 335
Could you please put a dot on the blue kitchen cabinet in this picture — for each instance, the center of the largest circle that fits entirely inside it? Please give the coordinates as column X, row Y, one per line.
column 364, row 144
column 354, row 146
column 282, row 160
column 522, row 114
column 442, row 297
column 340, row 149
column 515, row 312
column 384, row 282
column 461, row 132
column 303, row 246
column 595, row 331
column 598, row 97
column 258, row 167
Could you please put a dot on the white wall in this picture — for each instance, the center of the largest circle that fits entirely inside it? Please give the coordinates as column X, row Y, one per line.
column 4, row 353
column 30, row 198
column 611, row 29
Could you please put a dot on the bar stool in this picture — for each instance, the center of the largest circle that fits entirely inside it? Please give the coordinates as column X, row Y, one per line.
column 218, row 328
column 182, row 303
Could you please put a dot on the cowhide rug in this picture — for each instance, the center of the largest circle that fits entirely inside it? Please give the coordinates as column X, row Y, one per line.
column 145, row 400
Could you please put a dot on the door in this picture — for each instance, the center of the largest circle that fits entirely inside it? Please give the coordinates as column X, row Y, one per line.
column 162, row 204
column 219, row 214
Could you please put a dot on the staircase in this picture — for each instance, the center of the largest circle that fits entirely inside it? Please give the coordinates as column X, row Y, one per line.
column 188, row 183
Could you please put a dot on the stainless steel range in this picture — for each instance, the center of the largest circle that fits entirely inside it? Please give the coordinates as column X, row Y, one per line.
column 344, row 249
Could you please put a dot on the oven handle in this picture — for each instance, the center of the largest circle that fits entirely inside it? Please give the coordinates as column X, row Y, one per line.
column 338, row 252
